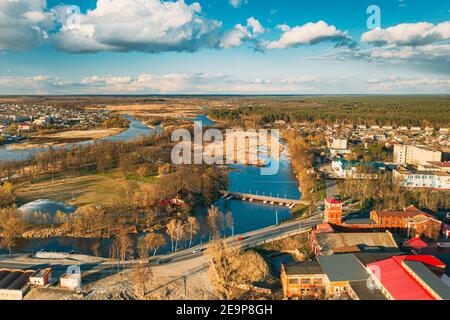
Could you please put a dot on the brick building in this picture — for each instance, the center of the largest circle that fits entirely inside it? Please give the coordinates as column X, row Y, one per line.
column 410, row 221
column 333, row 211
column 303, row 280
column 341, row 276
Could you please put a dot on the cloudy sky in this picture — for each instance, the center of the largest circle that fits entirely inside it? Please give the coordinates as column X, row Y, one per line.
column 223, row 46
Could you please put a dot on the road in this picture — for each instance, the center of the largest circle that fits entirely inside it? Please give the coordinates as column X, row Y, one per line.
column 250, row 239
column 332, row 189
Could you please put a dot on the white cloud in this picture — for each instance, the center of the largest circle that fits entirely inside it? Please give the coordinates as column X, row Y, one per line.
column 240, row 34
column 136, row 25
column 255, row 25
column 307, row 34
column 408, row 34
column 408, row 85
column 237, row 3
column 23, row 24
column 200, row 83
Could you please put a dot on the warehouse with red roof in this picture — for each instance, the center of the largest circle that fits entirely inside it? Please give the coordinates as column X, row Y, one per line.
column 410, row 278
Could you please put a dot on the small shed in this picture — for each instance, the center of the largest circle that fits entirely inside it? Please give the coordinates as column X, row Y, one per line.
column 71, row 281
column 42, row 277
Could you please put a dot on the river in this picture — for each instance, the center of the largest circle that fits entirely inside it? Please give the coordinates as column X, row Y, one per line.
column 247, row 216
column 135, row 129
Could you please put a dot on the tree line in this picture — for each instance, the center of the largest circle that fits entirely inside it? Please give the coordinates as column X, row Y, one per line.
column 368, row 110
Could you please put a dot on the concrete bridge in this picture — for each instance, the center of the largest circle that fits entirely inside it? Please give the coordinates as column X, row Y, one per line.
column 264, row 199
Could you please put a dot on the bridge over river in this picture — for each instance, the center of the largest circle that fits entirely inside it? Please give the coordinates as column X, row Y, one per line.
column 285, row 202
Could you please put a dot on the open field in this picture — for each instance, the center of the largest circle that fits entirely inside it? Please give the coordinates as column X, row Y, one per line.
column 81, row 188
column 174, row 110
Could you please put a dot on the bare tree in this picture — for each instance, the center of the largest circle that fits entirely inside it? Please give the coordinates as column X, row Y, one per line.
column 194, row 227
column 231, row 266
column 171, row 227
column 215, row 221
column 141, row 274
column 12, row 225
column 229, row 221
column 180, row 232
column 154, row 241
column 95, row 248
column 121, row 247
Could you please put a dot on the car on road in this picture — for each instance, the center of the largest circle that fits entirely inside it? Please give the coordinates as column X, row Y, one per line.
column 242, row 238
column 164, row 261
column 199, row 250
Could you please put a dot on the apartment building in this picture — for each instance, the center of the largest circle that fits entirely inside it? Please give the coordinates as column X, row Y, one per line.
column 411, row 178
column 408, row 154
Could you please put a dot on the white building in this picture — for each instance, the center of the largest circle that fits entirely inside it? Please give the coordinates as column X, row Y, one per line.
column 71, row 281
column 337, row 143
column 344, row 169
column 408, row 154
column 422, row 179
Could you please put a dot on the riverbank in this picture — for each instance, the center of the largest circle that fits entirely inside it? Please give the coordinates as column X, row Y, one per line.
column 64, row 138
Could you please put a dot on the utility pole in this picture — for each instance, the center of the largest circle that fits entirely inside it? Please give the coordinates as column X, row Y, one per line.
column 276, row 216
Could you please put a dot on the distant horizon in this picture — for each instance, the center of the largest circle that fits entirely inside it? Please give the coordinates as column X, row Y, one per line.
column 233, row 95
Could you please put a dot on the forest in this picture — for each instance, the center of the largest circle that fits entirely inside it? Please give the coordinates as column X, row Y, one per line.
column 368, row 110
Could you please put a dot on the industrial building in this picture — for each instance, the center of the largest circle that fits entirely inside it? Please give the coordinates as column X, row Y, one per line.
column 14, row 283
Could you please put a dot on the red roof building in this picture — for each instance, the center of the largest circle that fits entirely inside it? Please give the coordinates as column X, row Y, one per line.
column 408, row 278
column 416, row 243
column 333, row 211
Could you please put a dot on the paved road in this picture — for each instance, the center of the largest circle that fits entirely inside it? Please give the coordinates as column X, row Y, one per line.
column 332, row 189
column 250, row 239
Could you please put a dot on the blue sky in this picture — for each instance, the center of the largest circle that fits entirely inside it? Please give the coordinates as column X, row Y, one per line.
column 223, row 46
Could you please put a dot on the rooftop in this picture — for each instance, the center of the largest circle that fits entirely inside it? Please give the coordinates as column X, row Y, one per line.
column 358, row 218
column 430, row 279
column 416, row 243
column 396, row 279
column 333, row 201
column 14, row 279
column 343, row 267
column 364, row 293
column 445, row 164
column 365, row 241
column 305, row 267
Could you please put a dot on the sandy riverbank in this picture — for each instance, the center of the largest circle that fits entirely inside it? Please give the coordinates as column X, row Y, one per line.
column 65, row 137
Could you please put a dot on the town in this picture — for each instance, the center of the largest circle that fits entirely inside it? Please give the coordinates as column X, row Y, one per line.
column 20, row 120
column 372, row 217
column 224, row 158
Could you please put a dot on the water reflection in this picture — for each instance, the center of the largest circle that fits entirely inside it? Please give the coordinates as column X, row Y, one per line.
column 248, row 216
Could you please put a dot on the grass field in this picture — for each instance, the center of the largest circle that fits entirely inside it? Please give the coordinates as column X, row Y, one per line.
column 80, row 188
